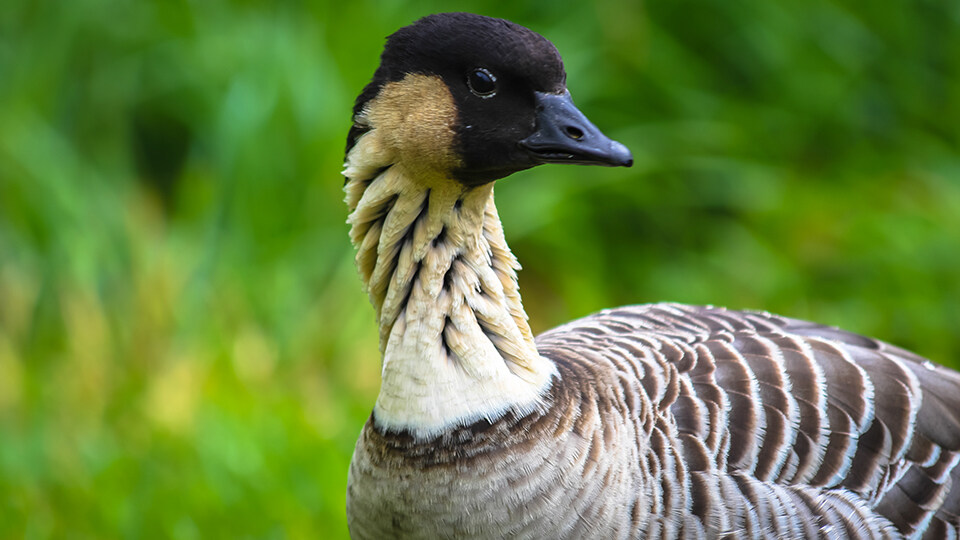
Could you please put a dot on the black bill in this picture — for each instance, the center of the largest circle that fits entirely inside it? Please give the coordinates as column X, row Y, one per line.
column 564, row 135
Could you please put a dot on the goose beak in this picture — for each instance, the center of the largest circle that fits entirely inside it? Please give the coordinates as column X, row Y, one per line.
column 565, row 135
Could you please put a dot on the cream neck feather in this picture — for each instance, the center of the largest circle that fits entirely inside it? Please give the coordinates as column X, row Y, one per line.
column 454, row 336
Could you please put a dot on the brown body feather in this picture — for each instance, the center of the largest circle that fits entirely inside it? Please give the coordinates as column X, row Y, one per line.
column 682, row 422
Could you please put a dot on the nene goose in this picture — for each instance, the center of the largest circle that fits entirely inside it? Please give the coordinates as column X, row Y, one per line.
column 649, row 421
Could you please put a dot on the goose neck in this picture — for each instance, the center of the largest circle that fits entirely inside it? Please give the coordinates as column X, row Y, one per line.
column 455, row 340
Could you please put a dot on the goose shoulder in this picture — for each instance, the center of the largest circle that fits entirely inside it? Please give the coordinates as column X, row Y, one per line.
column 781, row 401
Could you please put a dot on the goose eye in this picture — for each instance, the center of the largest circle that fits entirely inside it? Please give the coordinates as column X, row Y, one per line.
column 482, row 83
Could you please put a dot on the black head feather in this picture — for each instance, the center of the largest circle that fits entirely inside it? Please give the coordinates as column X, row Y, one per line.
column 449, row 44
column 490, row 128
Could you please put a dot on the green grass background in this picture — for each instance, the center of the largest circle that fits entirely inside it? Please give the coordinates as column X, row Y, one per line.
column 185, row 349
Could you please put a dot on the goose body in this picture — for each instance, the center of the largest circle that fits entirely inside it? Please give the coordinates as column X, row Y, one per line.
column 649, row 421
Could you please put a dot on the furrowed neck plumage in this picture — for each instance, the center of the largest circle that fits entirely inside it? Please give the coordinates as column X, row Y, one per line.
column 431, row 252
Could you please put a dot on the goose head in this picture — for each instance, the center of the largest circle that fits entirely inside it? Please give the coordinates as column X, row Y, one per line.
column 475, row 99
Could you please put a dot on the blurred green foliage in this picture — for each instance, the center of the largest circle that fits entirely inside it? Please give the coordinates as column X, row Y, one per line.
column 185, row 350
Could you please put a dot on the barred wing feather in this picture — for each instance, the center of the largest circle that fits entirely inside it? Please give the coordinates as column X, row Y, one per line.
column 783, row 426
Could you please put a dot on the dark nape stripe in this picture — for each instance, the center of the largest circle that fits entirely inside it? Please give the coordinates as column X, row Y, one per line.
column 441, row 236
column 355, row 132
column 448, row 276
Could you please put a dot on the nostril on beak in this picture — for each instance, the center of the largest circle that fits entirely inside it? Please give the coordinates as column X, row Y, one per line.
column 573, row 132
